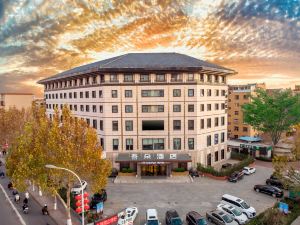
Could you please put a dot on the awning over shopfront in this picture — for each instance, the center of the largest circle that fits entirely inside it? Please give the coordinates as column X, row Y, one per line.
column 153, row 157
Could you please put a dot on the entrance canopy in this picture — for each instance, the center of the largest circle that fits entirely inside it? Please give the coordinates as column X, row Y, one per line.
column 153, row 157
column 250, row 139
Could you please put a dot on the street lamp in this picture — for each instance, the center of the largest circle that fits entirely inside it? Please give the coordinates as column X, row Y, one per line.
column 49, row 166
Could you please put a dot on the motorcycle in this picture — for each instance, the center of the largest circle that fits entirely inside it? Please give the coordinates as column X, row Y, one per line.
column 45, row 210
column 25, row 209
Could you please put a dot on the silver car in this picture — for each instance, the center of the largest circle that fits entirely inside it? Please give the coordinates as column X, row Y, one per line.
column 220, row 218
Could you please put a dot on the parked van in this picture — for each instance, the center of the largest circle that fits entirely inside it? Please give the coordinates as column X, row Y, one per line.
column 151, row 217
column 240, row 204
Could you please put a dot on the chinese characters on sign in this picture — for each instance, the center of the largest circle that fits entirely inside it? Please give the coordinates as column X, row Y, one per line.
column 108, row 221
column 152, row 156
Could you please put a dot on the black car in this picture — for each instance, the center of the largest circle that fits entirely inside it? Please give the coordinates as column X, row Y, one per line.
column 235, row 176
column 98, row 197
column 270, row 190
column 193, row 173
column 114, row 173
column 274, row 182
column 194, row 218
column 172, row 218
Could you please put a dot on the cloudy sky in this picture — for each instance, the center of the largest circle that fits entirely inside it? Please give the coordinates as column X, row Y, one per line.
column 260, row 39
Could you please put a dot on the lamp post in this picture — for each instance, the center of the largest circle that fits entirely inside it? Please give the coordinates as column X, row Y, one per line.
column 49, row 166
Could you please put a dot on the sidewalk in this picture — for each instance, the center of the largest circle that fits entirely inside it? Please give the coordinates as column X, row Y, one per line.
column 297, row 221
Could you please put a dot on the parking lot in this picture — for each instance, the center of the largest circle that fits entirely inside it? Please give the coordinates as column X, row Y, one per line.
column 201, row 196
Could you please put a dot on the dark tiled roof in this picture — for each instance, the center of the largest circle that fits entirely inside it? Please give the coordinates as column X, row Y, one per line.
column 145, row 62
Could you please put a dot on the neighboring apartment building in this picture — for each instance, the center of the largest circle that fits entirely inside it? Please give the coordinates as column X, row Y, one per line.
column 239, row 95
column 297, row 89
column 152, row 111
column 18, row 100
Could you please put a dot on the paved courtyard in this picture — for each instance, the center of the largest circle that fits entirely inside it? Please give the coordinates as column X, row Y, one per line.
column 202, row 195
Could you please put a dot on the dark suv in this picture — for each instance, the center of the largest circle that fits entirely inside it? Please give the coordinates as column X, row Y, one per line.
column 98, row 197
column 172, row 218
column 194, row 218
column 235, row 176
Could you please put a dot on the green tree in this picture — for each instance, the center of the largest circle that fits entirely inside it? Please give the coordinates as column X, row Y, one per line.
column 273, row 113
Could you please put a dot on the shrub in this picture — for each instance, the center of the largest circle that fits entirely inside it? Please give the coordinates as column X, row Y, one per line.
column 179, row 169
column 238, row 156
column 124, row 170
column 129, row 170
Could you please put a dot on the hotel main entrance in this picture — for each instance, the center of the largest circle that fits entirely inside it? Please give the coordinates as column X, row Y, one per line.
column 154, row 170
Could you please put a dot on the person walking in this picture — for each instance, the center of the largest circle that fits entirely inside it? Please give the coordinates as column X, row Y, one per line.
column 27, row 195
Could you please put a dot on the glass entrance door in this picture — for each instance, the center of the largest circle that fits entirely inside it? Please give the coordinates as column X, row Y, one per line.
column 153, row 170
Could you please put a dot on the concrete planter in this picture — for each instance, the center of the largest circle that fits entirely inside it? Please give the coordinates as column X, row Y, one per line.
column 185, row 173
column 127, row 174
column 214, row 177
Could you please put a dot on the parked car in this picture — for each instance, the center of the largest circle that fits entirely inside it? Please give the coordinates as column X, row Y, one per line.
column 194, row 218
column 275, row 182
column 77, row 189
column 194, row 172
column 235, row 176
column 249, row 170
column 237, row 214
column 239, row 204
column 226, row 165
column 220, row 218
column 151, row 217
column 114, row 173
column 270, row 190
column 128, row 216
column 98, row 197
column 172, row 218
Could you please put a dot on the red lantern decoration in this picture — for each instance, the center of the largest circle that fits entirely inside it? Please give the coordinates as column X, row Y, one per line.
column 86, row 194
column 78, row 204
column 78, row 210
column 78, row 197
column 86, row 207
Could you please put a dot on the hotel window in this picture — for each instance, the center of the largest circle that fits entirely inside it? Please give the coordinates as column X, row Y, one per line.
column 101, row 108
column 81, row 81
column 129, row 125
column 202, row 77
column 208, row 140
column 82, row 108
column 128, row 78
column 201, row 92
column 216, row 156
column 176, row 92
column 71, row 107
column 222, row 154
column 144, row 78
column 223, row 92
column 208, row 107
column 223, row 106
column 217, row 92
column 216, row 106
column 114, row 93
column 190, row 77
column 222, row 137
column 191, row 143
column 246, row 96
column 236, row 128
column 95, row 124
column 191, row 125
column 65, row 96
column 128, row 109
column 94, row 108
column 223, row 79
column 114, row 109
column 81, row 94
column 56, row 96
column 216, row 141
column 75, row 107
column 88, row 121
column 209, row 78
column 152, row 108
column 191, row 92
column 176, row 125
column 160, row 78
column 176, row 77
column 222, row 121
column 115, row 126
column 60, row 95
column 153, row 125
column 153, row 143
column 202, row 107
column 216, row 121
column 87, row 108
column 176, row 108
column 191, row 108
column 70, row 95
column 202, row 123
column 208, row 123
column 101, row 124
column 61, row 106
column 75, row 94
column 208, row 92
column 115, row 144
column 129, row 144
column 245, row 129
column 152, row 93
column 87, row 94
column 128, row 93
column 236, row 113
column 237, row 104
column 237, row 97
column 94, row 80
column 49, row 106
column 100, row 94
column 177, row 143
column 113, row 78
column 93, row 94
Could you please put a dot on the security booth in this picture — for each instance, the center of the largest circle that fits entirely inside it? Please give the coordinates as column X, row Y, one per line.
column 153, row 164
column 253, row 149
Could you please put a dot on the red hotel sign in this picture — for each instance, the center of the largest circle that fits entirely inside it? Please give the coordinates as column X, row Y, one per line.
column 108, row 221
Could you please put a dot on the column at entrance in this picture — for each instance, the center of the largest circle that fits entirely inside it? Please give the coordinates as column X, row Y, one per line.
column 138, row 170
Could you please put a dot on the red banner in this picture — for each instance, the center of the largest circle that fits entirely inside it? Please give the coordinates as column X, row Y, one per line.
column 108, row 221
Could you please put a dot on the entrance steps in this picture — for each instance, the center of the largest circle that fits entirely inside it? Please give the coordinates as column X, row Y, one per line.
column 151, row 180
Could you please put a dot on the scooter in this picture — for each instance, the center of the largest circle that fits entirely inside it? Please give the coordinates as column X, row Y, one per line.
column 25, row 209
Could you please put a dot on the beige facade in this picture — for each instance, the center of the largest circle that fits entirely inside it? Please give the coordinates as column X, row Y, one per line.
column 297, row 89
column 150, row 112
column 18, row 100
column 238, row 96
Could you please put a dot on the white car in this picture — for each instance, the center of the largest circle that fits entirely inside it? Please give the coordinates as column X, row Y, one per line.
column 234, row 212
column 128, row 216
column 249, row 170
column 77, row 188
column 151, row 217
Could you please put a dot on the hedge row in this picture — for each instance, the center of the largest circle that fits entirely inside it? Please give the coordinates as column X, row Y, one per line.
column 127, row 170
column 179, row 169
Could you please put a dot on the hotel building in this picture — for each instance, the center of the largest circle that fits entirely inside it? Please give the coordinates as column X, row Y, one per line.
column 237, row 97
column 18, row 100
column 153, row 112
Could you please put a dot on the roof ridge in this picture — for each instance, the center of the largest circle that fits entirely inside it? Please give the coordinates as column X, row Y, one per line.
column 119, row 57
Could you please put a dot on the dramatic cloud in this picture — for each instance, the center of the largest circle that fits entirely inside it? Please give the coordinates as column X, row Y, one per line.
column 260, row 39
